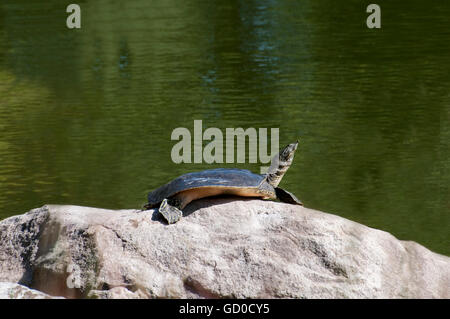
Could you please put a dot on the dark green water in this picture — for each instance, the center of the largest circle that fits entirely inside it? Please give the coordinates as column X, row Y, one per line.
column 86, row 115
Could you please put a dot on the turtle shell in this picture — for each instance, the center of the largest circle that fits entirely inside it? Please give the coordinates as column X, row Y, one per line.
column 221, row 178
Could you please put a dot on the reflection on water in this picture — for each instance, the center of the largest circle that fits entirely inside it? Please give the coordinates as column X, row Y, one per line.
column 86, row 115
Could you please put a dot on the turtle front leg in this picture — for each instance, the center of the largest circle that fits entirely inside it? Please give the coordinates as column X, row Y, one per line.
column 171, row 213
column 287, row 197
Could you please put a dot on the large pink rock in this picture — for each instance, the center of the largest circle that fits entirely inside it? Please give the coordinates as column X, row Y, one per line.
column 222, row 248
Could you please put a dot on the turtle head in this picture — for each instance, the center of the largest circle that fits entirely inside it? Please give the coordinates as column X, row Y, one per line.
column 287, row 153
column 280, row 164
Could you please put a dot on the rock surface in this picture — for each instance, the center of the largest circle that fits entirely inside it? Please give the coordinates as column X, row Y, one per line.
column 9, row 290
column 222, row 248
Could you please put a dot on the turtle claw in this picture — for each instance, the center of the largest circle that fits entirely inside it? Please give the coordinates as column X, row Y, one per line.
column 170, row 213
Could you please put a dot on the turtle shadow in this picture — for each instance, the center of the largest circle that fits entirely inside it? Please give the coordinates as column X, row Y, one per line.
column 155, row 215
column 198, row 204
column 212, row 201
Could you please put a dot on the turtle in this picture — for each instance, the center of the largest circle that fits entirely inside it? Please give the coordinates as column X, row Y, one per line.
column 172, row 198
